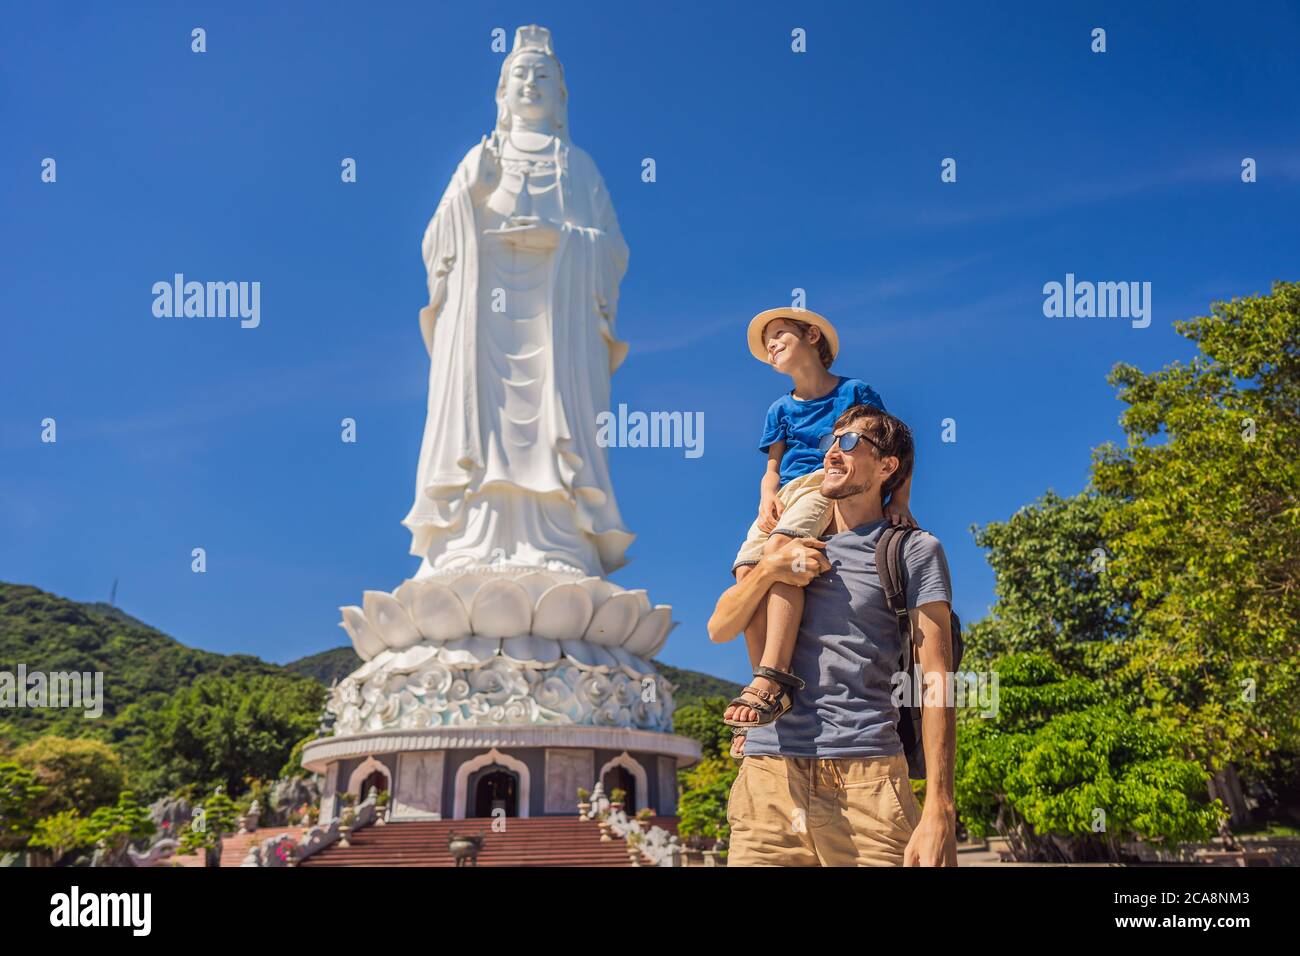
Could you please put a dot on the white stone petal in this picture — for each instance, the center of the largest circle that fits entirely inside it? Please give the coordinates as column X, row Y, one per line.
column 530, row 649
column 633, row 663
column 650, row 630
column 614, row 620
column 536, row 583
column 642, row 601
column 501, row 608
column 588, row 655
column 438, row 613
column 659, row 645
column 469, row 650
column 465, row 586
column 563, row 612
column 599, row 589
column 413, row 658
column 389, row 619
column 364, row 640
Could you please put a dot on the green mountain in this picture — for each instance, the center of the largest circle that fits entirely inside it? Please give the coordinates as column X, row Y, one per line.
column 142, row 666
column 140, row 663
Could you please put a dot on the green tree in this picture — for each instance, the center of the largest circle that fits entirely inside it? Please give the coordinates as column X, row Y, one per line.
column 1207, row 536
column 1066, row 772
column 60, row 834
column 705, row 786
column 19, row 794
column 1053, row 591
column 78, row 774
column 112, row 829
column 220, row 730
column 211, row 821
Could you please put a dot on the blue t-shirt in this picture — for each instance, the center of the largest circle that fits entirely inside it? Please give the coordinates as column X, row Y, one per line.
column 801, row 425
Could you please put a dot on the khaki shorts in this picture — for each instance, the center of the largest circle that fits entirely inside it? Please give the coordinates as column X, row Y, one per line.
column 803, row 811
column 806, row 515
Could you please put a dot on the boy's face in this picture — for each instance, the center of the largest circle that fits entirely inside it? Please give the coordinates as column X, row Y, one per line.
column 785, row 344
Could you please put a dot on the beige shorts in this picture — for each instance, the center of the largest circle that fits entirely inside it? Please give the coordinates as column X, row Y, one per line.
column 806, row 515
column 803, row 811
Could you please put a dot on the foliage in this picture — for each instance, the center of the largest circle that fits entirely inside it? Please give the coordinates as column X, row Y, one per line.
column 706, row 790
column 1063, row 758
column 1208, row 534
column 706, row 786
column 220, row 729
column 114, row 827
column 1053, row 592
column 60, row 834
column 217, row 816
column 77, row 774
column 19, row 794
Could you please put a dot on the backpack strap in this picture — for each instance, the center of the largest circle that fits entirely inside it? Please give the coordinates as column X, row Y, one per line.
column 889, row 567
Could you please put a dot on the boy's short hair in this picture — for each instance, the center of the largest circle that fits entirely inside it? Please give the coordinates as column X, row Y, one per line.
column 823, row 343
column 892, row 436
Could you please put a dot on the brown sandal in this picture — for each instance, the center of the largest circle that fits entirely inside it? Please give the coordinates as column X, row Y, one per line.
column 770, row 706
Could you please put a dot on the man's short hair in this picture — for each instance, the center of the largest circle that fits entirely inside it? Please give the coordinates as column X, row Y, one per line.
column 891, row 435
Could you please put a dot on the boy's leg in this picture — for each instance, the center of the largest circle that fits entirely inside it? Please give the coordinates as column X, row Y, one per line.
column 755, row 636
column 779, row 614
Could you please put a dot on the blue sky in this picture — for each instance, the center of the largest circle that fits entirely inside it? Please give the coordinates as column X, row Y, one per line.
column 776, row 170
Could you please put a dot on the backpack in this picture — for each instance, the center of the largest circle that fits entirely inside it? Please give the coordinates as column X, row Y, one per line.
column 890, row 568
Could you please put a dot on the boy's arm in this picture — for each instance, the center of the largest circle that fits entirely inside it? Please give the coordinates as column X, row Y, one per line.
column 769, row 505
column 900, row 504
column 934, row 841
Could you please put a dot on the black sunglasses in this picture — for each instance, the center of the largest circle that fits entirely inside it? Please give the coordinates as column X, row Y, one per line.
column 848, row 442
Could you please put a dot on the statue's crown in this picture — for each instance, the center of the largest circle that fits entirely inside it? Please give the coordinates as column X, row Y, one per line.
column 533, row 37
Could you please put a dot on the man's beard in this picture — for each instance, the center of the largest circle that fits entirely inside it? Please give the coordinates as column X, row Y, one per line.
column 847, row 491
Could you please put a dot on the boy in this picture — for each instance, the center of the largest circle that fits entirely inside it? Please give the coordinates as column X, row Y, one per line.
column 801, row 344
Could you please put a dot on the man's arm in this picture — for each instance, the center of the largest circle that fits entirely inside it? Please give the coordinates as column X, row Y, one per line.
column 934, row 842
column 797, row 562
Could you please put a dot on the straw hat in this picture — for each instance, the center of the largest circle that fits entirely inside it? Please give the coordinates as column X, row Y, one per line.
column 759, row 322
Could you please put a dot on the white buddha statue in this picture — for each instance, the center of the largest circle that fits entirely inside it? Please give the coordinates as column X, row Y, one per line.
column 524, row 257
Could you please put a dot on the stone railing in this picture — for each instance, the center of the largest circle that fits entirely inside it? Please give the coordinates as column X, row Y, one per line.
column 654, row 844
column 284, row 850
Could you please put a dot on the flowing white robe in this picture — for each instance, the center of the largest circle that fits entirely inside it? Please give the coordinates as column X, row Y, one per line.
column 509, row 468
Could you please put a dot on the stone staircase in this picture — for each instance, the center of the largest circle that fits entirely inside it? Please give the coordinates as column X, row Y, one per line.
column 536, row 841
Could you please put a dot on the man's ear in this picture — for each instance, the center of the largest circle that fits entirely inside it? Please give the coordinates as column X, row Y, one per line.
column 814, row 334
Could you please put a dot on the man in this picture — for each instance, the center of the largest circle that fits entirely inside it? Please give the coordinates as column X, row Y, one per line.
column 827, row 784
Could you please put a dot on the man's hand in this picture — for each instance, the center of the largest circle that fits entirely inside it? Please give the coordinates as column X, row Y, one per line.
column 770, row 509
column 934, row 841
column 796, row 562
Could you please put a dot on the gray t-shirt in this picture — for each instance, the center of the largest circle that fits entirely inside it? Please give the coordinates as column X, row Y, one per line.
column 849, row 649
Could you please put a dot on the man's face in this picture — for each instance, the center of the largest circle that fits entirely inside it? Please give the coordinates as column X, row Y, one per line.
column 855, row 472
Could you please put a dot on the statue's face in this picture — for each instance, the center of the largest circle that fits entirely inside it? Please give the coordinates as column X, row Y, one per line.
column 533, row 86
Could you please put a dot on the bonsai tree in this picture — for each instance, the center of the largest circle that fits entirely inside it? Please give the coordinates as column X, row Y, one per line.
column 208, row 825
column 112, row 829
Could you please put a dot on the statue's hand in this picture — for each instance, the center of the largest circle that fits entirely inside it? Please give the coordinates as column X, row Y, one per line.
column 528, row 232
column 486, row 173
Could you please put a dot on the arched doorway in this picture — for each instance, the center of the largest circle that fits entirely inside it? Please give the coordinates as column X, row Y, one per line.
column 495, row 788
column 620, row 778
column 378, row 780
